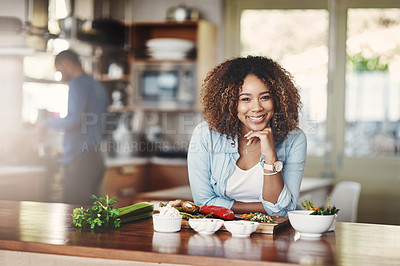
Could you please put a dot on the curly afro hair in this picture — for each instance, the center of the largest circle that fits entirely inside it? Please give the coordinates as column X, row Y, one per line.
column 222, row 85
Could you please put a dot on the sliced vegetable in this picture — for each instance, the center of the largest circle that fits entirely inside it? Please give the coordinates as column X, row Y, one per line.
column 218, row 211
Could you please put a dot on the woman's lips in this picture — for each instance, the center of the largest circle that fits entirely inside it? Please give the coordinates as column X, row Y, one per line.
column 256, row 119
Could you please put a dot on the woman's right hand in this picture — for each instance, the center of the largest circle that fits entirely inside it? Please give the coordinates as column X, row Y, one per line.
column 266, row 138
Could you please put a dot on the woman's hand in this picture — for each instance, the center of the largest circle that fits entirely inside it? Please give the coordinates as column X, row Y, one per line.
column 266, row 138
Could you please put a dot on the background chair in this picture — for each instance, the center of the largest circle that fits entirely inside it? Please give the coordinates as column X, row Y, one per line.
column 345, row 197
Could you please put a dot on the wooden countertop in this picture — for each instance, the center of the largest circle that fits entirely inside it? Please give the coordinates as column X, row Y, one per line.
column 45, row 228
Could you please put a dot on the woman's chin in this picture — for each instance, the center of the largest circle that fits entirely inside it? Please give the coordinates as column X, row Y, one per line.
column 257, row 127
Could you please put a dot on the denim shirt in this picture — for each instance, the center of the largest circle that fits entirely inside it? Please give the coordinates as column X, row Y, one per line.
column 212, row 159
column 87, row 104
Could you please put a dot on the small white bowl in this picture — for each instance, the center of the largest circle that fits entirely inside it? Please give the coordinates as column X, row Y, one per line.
column 310, row 225
column 241, row 228
column 167, row 224
column 206, row 226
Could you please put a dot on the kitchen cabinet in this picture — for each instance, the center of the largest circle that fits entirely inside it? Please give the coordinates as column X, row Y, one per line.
column 167, row 173
column 23, row 183
column 126, row 178
column 124, row 181
column 201, row 33
column 113, row 73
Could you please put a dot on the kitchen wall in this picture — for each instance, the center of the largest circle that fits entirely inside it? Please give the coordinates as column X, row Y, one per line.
column 11, row 48
column 156, row 10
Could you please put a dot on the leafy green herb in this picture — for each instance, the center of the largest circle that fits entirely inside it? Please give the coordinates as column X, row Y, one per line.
column 103, row 215
column 329, row 210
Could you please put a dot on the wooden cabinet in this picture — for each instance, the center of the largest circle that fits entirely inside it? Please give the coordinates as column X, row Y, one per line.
column 23, row 183
column 202, row 33
column 162, row 176
column 123, row 182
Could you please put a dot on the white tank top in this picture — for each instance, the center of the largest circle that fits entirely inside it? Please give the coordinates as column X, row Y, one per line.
column 245, row 185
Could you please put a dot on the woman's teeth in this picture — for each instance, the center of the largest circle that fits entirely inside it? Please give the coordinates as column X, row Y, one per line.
column 256, row 118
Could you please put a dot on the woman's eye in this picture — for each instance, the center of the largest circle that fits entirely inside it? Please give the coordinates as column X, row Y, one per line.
column 266, row 97
column 245, row 99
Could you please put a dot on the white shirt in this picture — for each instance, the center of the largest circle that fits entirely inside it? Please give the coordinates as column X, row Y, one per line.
column 245, row 185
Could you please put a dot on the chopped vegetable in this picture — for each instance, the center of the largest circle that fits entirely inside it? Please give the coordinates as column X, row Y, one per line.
column 308, row 205
column 258, row 217
column 330, row 210
column 103, row 215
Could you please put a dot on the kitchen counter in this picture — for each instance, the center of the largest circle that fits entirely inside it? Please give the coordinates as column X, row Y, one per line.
column 123, row 161
column 42, row 231
column 25, row 182
column 8, row 170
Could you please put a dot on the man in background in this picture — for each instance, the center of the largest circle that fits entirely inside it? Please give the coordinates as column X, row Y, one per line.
column 82, row 160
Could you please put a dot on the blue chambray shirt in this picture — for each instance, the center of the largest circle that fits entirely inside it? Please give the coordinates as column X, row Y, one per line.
column 212, row 160
column 87, row 104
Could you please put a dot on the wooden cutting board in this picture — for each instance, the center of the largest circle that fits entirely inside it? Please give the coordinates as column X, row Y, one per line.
column 264, row 228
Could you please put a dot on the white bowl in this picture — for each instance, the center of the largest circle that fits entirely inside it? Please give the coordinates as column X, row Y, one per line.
column 333, row 226
column 167, row 224
column 310, row 225
column 206, row 226
column 170, row 44
column 241, row 228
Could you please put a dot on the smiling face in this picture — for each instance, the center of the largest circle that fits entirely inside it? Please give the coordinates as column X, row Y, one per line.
column 255, row 106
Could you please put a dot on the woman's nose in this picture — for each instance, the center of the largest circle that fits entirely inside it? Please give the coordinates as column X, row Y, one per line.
column 256, row 106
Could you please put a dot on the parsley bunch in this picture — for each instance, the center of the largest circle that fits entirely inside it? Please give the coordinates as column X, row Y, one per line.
column 101, row 214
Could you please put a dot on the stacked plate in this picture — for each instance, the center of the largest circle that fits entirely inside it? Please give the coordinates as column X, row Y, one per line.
column 169, row 48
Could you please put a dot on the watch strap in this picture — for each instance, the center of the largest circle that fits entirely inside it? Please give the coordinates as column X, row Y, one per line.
column 269, row 167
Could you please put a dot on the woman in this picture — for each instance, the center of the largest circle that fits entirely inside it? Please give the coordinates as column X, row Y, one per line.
column 249, row 154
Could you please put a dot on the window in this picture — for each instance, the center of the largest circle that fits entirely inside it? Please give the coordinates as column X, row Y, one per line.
column 305, row 56
column 373, row 83
column 351, row 112
column 42, row 95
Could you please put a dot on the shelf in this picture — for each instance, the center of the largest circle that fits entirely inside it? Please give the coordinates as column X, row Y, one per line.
column 124, row 109
column 46, row 81
column 17, row 51
column 105, row 78
column 142, row 32
column 203, row 57
column 167, row 61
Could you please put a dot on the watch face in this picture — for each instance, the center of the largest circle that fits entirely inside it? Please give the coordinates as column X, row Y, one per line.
column 278, row 166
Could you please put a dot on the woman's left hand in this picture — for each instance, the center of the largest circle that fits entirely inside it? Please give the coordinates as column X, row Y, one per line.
column 266, row 138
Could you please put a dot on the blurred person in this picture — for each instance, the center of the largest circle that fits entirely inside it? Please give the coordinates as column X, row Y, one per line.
column 249, row 153
column 82, row 161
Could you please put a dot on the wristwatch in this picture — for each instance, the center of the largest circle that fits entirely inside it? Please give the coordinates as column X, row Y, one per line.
column 276, row 167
